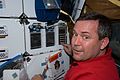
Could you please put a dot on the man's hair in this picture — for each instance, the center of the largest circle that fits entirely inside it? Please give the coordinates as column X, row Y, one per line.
column 104, row 27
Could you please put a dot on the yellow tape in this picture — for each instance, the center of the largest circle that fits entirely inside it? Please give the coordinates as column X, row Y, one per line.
column 116, row 2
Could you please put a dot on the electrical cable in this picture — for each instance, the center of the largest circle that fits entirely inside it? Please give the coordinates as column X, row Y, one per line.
column 67, row 15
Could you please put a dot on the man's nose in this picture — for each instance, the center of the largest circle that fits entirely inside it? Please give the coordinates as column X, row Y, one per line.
column 78, row 40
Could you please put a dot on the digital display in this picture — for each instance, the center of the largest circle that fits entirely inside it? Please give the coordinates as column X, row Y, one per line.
column 50, row 41
column 35, row 36
column 35, row 40
column 62, row 33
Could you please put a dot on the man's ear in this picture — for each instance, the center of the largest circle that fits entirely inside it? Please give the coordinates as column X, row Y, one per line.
column 104, row 42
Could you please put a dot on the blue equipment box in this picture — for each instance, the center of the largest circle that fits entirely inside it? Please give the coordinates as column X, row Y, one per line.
column 47, row 10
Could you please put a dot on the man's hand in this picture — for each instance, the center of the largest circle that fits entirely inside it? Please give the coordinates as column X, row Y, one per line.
column 37, row 77
column 67, row 48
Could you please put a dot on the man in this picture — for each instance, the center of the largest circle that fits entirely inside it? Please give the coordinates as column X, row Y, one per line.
column 89, row 49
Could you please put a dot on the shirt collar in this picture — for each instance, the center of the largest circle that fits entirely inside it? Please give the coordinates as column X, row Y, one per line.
column 107, row 55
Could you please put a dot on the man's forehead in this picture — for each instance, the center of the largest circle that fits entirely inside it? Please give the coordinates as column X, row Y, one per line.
column 88, row 21
column 86, row 26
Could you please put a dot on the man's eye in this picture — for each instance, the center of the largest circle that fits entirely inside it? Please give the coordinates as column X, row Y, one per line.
column 86, row 37
column 75, row 34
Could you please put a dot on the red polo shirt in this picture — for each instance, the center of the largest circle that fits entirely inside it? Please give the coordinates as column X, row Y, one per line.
column 99, row 68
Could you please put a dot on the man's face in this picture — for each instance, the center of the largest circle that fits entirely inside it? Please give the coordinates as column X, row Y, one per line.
column 85, row 40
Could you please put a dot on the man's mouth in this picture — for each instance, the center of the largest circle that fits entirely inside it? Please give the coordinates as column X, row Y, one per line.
column 75, row 50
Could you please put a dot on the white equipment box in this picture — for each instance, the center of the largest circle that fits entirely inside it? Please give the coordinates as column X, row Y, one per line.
column 22, row 33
